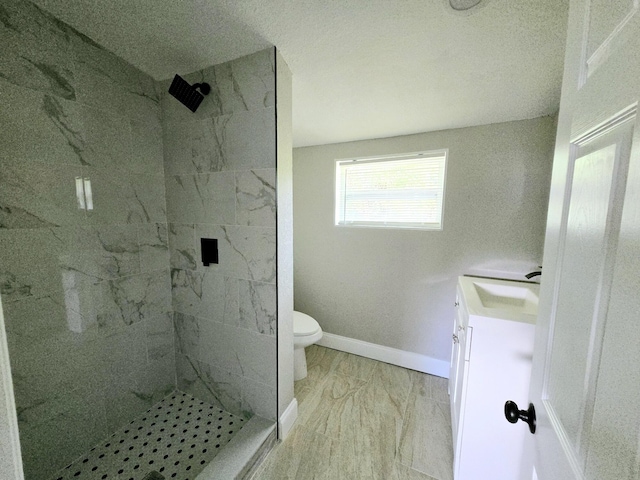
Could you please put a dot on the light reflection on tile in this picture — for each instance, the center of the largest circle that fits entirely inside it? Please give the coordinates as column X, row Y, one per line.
column 123, row 197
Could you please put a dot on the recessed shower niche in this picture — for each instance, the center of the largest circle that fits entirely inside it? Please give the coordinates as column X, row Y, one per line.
column 109, row 312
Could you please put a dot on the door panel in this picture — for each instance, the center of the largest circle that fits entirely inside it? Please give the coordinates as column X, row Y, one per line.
column 586, row 372
column 609, row 26
column 592, row 225
column 613, row 447
column 585, row 237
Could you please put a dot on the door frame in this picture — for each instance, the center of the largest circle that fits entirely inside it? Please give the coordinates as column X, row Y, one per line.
column 10, row 454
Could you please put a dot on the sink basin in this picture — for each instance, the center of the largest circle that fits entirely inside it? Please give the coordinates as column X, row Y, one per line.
column 518, row 299
column 504, row 299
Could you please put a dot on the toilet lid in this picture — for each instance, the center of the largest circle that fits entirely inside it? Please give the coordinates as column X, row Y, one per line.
column 304, row 325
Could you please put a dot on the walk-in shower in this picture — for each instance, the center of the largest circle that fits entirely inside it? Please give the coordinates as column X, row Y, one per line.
column 130, row 358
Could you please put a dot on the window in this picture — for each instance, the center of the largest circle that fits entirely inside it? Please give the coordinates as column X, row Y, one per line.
column 398, row 191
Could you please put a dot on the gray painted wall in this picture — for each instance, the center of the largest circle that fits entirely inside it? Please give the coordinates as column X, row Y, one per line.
column 86, row 294
column 397, row 287
column 221, row 183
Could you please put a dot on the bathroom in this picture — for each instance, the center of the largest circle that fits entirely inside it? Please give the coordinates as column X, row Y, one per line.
column 151, row 255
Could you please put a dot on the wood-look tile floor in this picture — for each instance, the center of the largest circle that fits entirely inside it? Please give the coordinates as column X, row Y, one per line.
column 363, row 419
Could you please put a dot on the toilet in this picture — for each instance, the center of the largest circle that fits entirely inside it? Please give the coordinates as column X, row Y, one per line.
column 306, row 331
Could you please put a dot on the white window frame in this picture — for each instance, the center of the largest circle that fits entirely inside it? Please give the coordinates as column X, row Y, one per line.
column 338, row 191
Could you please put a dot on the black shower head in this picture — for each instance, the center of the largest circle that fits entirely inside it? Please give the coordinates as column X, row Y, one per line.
column 187, row 94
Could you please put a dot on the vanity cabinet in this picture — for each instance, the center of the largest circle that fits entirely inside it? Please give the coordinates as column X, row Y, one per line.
column 493, row 337
column 459, row 355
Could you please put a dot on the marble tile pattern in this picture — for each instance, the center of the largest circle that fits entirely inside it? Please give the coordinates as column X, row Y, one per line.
column 86, row 293
column 359, row 418
column 220, row 175
column 89, row 295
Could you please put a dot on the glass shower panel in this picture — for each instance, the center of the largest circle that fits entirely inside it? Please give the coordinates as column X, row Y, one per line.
column 107, row 185
column 83, row 238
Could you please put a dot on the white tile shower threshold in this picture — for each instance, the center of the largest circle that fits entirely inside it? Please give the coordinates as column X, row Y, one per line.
column 177, row 438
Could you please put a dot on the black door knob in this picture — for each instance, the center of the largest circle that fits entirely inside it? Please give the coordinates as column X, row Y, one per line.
column 513, row 414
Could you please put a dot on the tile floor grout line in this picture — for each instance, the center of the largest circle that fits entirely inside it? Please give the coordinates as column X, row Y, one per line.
column 404, row 418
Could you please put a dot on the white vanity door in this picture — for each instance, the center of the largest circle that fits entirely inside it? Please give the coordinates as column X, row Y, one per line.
column 457, row 372
column 586, row 378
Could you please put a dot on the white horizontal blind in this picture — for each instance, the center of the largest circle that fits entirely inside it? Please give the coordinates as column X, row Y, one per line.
column 402, row 191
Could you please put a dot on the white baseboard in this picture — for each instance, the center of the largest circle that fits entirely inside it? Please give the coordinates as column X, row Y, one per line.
column 414, row 361
column 287, row 419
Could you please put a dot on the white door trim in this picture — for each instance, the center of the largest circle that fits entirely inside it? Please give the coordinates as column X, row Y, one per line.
column 10, row 456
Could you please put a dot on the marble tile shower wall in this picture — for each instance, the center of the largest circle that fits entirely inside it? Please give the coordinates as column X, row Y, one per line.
column 86, row 293
column 220, row 183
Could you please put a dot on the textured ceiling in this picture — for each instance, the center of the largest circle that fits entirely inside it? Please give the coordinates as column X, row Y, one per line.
column 362, row 68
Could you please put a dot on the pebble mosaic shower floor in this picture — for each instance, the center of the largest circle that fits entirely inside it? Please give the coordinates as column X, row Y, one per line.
column 175, row 438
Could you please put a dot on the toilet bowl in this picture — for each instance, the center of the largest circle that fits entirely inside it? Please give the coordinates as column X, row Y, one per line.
column 306, row 331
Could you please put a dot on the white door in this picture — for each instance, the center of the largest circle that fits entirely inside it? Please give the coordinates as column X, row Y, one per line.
column 586, row 375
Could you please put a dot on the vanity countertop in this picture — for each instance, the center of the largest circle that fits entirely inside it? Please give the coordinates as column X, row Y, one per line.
column 504, row 299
